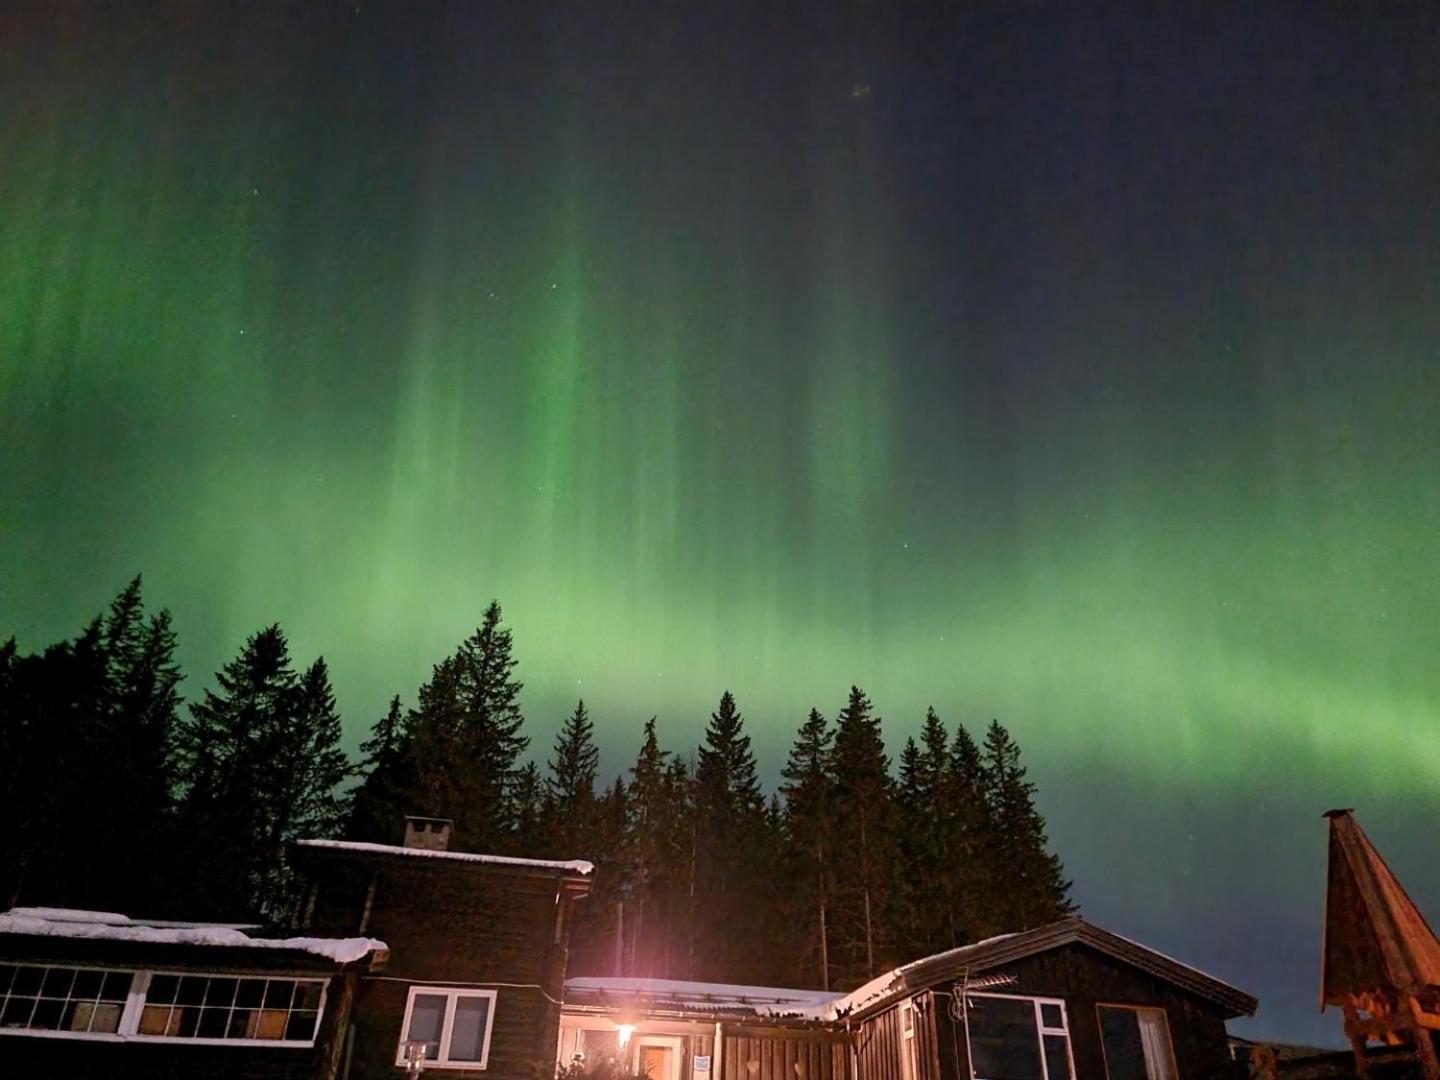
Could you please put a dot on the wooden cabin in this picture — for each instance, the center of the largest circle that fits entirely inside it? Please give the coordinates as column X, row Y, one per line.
column 478, row 949
column 96, row 994
column 1068, row 1001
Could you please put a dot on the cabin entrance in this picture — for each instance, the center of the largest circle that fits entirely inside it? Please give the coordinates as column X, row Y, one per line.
column 657, row 1057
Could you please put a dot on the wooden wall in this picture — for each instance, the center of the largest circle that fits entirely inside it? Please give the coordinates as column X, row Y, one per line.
column 754, row 1052
column 1084, row 978
column 457, row 923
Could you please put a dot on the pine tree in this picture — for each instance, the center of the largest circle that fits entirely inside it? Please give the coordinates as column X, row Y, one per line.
column 864, row 832
column 808, row 830
column 1028, row 877
column 973, row 911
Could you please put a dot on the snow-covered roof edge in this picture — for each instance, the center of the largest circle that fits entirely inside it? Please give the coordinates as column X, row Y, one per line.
column 68, row 924
column 768, row 1002
column 571, row 866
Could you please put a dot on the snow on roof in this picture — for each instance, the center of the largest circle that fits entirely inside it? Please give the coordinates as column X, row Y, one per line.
column 878, row 986
column 108, row 926
column 705, row 997
column 574, row 866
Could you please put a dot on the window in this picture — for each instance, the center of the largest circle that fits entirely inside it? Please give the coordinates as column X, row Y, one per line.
column 452, row 1027
column 1017, row 1038
column 225, row 1008
column 158, row 1006
column 81, row 1001
column 1137, row 1043
column 907, row 1040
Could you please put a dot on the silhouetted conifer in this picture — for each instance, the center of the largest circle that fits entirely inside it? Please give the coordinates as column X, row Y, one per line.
column 807, row 837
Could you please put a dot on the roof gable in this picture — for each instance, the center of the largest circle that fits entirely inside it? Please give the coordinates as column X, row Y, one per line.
column 983, row 956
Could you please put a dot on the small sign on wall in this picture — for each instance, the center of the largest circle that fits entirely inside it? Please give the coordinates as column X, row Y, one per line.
column 702, row 1063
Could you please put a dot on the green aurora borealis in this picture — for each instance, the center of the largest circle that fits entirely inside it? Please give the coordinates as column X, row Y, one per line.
column 1081, row 376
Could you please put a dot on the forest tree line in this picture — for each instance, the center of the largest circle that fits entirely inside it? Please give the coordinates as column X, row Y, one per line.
column 117, row 795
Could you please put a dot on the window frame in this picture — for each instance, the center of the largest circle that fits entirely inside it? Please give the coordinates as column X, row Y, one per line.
column 128, row 1029
column 447, row 1025
column 908, row 1063
column 1041, row 1029
column 1164, row 1014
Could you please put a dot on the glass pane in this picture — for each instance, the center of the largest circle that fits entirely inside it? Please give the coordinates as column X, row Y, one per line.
column 1004, row 1042
column 278, row 993
column 1124, row 1052
column 162, row 989
column 250, row 994
column 46, row 1016
column 221, row 993
column 105, row 1018
column 307, row 995
column 7, row 972
column 155, row 1020
column 212, row 1023
column 1155, row 1038
column 87, row 985
column 116, row 986
column 426, row 1016
column 192, row 990
column 1052, row 1016
column 301, row 1025
column 1057, row 1057
column 58, row 982
column 467, row 1032
column 17, row 1012
column 270, row 1024
column 599, row 1044
column 27, row 980
column 242, row 1025
column 184, row 1021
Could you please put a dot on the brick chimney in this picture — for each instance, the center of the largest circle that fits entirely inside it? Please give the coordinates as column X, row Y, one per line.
column 427, row 833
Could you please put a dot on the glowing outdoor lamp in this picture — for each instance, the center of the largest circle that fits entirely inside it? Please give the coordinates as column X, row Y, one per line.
column 625, row 1031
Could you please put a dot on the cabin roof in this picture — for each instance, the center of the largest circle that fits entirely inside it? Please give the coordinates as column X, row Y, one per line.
column 110, row 926
column 1375, row 936
column 983, row 956
column 572, row 867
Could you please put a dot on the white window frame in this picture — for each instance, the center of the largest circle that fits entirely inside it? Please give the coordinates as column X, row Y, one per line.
column 129, row 1027
column 907, row 1040
column 1165, row 1018
column 1041, row 1029
column 447, row 1026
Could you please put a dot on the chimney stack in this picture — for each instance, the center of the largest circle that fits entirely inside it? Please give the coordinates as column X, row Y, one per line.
column 427, row 833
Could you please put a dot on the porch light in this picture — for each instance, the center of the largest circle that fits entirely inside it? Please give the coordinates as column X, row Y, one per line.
column 625, row 1031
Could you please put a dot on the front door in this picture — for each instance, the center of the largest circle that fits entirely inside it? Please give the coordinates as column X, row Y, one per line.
column 657, row 1057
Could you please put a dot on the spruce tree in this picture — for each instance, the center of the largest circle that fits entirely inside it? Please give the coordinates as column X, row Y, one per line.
column 378, row 807
column 731, row 834
column 1029, row 878
column 808, row 829
column 864, row 832
column 533, row 813
column 571, row 784
column 261, row 764
column 973, row 898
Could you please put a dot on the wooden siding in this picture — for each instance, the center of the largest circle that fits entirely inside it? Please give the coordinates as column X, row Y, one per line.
column 450, row 923
column 1084, row 979
column 753, row 1052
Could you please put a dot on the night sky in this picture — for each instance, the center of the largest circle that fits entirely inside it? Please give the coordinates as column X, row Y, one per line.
column 1076, row 371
